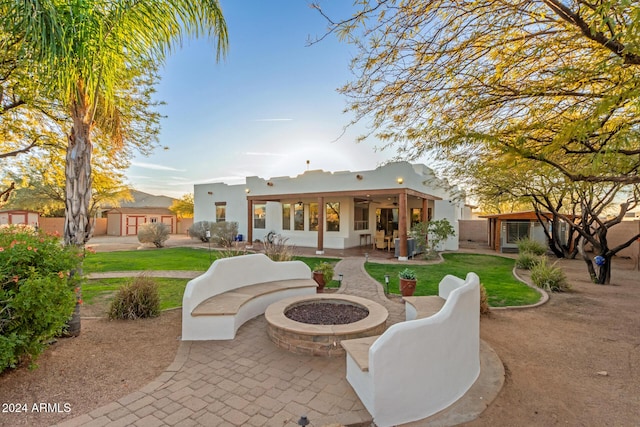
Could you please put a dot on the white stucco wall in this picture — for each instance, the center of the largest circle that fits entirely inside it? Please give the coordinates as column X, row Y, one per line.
column 384, row 179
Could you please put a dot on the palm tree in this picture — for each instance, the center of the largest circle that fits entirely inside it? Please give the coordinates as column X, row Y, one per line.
column 87, row 53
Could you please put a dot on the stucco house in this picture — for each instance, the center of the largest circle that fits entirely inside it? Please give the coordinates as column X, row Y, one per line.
column 19, row 216
column 130, row 215
column 336, row 210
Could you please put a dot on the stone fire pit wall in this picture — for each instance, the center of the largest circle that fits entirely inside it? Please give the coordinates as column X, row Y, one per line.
column 322, row 340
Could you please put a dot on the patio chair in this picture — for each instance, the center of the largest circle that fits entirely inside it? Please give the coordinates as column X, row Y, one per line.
column 381, row 242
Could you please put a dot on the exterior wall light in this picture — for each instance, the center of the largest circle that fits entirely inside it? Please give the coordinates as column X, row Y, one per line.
column 246, row 190
column 359, row 177
column 210, row 193
column 270, row 184
column 400, row 180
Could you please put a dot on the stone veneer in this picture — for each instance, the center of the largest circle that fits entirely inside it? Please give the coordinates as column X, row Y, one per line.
column 322, row 340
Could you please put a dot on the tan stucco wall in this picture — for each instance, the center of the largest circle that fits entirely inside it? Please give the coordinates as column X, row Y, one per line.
column 473, row 230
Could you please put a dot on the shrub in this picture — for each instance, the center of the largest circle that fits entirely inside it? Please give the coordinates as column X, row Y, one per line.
column 224, row 233
column 277, row 248
column 154, row 232
column 37, row 295
column 136, row 300
column 527, row 260
column 485, row 310
column 199, row 230
column 549, row 277
column 531, row 246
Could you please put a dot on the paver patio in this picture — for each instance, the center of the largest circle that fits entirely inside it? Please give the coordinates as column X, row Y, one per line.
column 249, row 381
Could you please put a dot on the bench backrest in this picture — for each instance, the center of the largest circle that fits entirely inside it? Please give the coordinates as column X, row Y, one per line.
column 423, row 365
column 226, row 274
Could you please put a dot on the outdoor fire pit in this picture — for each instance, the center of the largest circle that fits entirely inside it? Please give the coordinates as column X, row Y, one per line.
column 332, row 310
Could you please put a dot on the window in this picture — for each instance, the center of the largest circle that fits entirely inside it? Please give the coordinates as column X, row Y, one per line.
column 221, row 211
column 361, row 217
column 517, row 230
column 313, row 217
column 298, row 217
column 416, row 216
column 333, row 216
column 259, row 216
column 286, row 216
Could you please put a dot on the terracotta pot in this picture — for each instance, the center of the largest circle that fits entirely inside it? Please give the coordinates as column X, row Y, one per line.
column 318, row 276
column 407, row 287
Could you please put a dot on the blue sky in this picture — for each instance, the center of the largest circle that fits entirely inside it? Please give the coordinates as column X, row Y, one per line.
column 265, row 110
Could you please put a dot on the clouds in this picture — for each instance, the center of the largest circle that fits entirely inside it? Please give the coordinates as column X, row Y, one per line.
column 154, row 166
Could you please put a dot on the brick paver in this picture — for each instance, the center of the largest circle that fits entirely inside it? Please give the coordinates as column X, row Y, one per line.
column 248, row 381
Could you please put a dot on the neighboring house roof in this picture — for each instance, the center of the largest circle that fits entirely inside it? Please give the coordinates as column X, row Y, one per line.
column 146, row 211
column 144, row 200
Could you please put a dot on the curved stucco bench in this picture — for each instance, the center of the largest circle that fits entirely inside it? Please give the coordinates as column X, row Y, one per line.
column 235, row 290
column 423, row 365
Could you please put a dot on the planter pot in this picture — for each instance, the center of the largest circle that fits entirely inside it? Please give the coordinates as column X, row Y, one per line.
column 407, row 287
column 318, row 276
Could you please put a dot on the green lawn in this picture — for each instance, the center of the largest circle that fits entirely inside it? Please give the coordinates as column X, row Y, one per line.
column 101, row 291
column 171, row 290
column 495, row 273
column 165, row 259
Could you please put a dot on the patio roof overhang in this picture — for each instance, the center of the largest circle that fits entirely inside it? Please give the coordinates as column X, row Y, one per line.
column 344, row 193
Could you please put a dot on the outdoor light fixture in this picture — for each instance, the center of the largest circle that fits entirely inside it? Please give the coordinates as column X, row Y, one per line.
column 386, row 283
column 366, row 257
column 270, row 184
column 303, row 421
column 246, row 190
column 359, row 177
column 210, row 193
column 400, row 180
column 340, row 277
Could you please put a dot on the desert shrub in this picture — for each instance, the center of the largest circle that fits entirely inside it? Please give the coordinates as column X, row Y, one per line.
column 224, row 233
column 277, row 248
column 485, row 310
column 199, row 230
column 549, row 277
column 531, row 246
column 154, row 232
column 527, row 260
column 37, row 295
column 136, row 300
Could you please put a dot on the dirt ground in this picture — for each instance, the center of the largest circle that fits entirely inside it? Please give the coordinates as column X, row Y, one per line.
column 574, row 361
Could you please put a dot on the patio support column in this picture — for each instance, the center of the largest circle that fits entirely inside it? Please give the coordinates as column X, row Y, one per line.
column 321, row 208
column 402, row 225
column 250, row 222
column 425, row 210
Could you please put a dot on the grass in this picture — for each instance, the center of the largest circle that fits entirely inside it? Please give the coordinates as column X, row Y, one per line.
column 171, row 290
column 495, row 274
column 101, row 291
column 166, row 259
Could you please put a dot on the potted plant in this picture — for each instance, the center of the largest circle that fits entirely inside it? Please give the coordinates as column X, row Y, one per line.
column 407, row 282
column 322, row 274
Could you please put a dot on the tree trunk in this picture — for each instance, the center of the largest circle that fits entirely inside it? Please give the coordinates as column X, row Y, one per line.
column 77, row 229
